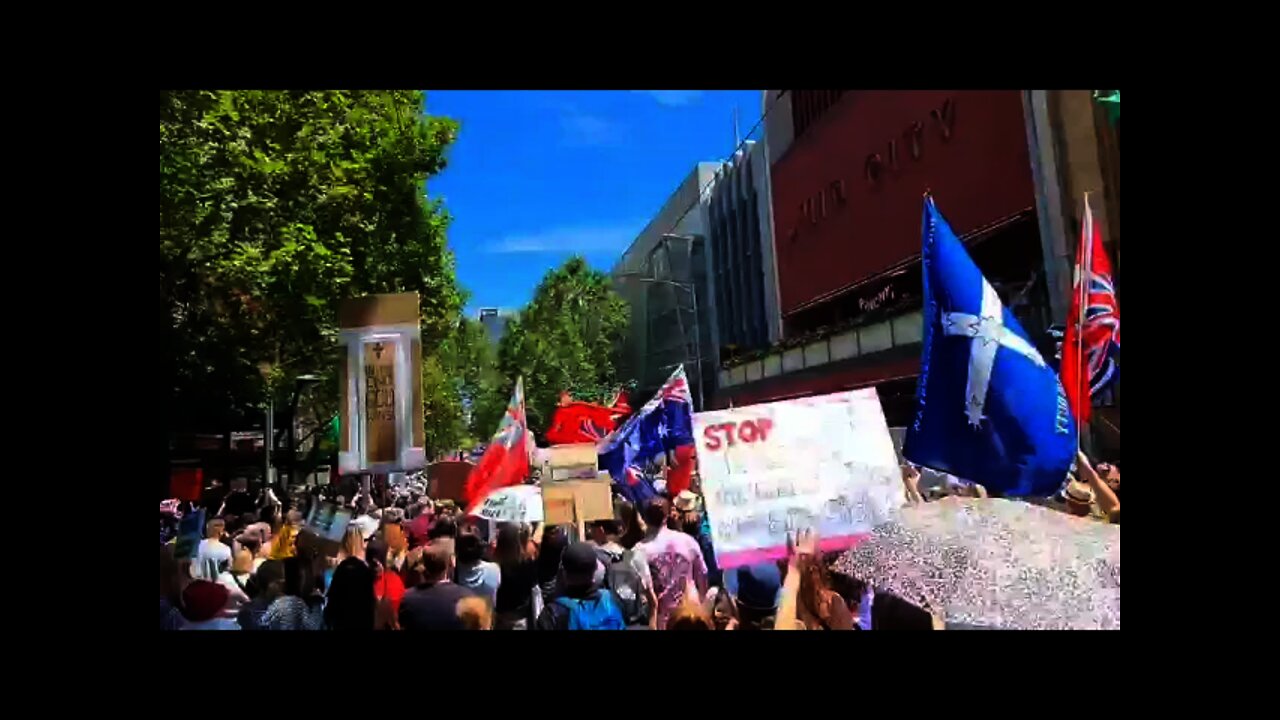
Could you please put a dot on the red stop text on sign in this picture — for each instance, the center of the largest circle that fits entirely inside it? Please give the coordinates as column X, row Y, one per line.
column 731, row 433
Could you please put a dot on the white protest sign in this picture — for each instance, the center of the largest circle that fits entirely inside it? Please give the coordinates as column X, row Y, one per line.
column 515, row 504
column 826, row 463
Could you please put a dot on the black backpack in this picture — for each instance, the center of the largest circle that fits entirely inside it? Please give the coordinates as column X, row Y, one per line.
column 624, row 582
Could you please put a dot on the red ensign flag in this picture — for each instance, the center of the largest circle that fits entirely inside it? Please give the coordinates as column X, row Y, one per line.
column 506, row 461
column 1091, row 348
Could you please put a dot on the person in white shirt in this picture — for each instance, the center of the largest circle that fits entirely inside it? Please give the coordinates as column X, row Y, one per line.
column 212, row 555
column 236, row 581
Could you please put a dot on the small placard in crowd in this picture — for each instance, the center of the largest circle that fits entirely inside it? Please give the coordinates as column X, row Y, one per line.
column 571, row 462
column 565, row 503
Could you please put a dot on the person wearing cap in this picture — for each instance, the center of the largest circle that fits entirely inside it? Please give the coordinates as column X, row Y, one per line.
column 753, row 591
column 203, row 603
column 581, row 604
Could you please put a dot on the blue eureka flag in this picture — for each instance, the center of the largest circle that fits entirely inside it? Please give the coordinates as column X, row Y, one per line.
column 988, row 408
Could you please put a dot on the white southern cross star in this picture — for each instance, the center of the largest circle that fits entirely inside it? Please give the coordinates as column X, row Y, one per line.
column 989, row 334
column 662, row 430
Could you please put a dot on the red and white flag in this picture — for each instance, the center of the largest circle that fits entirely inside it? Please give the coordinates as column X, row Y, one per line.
column 506, row 461
column 1091, row 348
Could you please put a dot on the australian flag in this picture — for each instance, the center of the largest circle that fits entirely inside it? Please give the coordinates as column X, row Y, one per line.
column 662, row 425
column 988, row 408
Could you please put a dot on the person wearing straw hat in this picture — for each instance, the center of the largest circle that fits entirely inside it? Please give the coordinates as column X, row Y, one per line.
column 1079, row 498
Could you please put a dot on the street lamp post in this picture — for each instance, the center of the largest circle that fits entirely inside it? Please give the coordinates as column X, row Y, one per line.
column 268, row 436
column 307, row 379
column 697, row 321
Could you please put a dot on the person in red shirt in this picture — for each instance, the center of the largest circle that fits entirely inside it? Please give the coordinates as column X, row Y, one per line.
column 388, row 587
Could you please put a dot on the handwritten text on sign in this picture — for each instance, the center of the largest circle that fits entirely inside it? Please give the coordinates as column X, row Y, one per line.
column 825, row 462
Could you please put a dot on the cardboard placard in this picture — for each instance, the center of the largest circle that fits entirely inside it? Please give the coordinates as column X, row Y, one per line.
column 826, row 463
column 596, row 499
column 446, row 480
column 574, row 501
column 559, row 504
column 571, row 462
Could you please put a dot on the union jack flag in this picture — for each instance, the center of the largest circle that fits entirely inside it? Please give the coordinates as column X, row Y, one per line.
column 676, row 389
column 1092, row 342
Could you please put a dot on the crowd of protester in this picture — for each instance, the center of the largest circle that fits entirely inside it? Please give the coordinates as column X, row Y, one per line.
column 420, row 564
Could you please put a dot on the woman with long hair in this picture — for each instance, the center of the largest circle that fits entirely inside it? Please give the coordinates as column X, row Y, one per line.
column 299, row 607
column 808, row 602
column 285, row 543
column 513, row 609
column 388, row 588
column 351, row 602
column 554, row 541
column 632, row 527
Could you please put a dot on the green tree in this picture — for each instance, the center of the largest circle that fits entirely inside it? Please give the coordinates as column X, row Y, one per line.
column 569, row 337
column 464, row 372
column 273, row 207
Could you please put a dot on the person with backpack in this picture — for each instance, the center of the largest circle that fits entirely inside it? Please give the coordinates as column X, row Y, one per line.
column 582, row 605
column 625, row 573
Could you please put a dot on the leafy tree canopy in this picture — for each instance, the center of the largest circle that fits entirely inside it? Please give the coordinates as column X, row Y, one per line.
column 569, row 337
column 273, row 207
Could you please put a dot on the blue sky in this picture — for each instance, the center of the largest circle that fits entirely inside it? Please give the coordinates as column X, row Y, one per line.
column 536, row 176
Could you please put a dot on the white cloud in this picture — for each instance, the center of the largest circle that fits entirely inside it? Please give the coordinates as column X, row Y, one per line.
column 585, row 129
column 674, row 98
column 572, row 239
